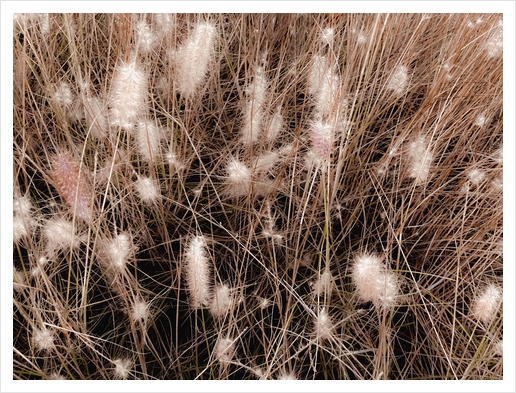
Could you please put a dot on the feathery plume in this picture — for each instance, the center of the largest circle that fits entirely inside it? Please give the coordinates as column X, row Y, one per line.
column 486, row 304
column 127, row 95
column 276, row 125
column 60, row 234
column 146, row 38
column 96, row 120
column 117, row 251
column 323, row 326
column 373, row 282
column 140, row 310
column 224, row 349
column 238, row 179
column 198, row 272
column 147, row 138
column 192, row 59
column 324, row 284
column 43, row 339
column 398, row 81
column 122, row 368
column 494, row 45
column 322, row 139
column 71, row 185
column 147, row 189
column 63, row 95
column 222, row 301
column 253, row 114
column 420, row 160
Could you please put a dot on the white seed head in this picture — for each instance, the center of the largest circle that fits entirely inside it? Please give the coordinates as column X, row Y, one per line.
column 494, row 45
column 122, row 368
column 18, row 280
column 324, row 284
column 420, row 160
column 172, row 159
column 224, row 350
column 322, row 139
column 498, row 348
column 198, row 272
column 146, row 38
column 486, row 304
column 43, row 339
column 327, row 35
column 323, row 326
column 140, row 310
column 266, row 161
column 63, row 95
column 165, row 23
column 117, row 251
column 398, row 81
column 373, row 282
column 22, row 206
column 476, row 176
column 239, row 178
column 193, row 57
column 96, row 120
column 276, row 125
column 127, row 95
column 318, row 72
column 222, row 301
column 253, row 112
column 60, row 234
column 480, row 120
column 148, row 138
column 147, row 189
column 284, row 375
column 21, row 227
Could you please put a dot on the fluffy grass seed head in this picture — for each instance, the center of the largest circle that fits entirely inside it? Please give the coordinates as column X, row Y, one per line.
column 324, row 284
column 322, row 136
column 238, row 178
column 148, row 138
column 147, row 189
column 43, row 339
column 63, row 95
column 476, row 176
column 60, row 234
column 373, row 282
column 122, row 368
column 145, row 37
column 253, row 112
column 398, row 81
column 96, row 119
column 323, row 326
column 140, row 310
column 224, row 350
column 71, row 185
column 494, row 45
column 193, row 58
column 117, row 251
column 198, row 272
column 486, row 304
column 222, row 301
column 127, row 96
column 420, row 160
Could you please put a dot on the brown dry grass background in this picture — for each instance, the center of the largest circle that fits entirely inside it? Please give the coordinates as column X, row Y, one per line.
column 410, row 172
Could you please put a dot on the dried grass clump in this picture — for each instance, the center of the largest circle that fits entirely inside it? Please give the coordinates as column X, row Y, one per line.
column 258, row 196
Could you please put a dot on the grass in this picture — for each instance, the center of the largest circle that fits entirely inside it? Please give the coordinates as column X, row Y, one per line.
column 258, row 196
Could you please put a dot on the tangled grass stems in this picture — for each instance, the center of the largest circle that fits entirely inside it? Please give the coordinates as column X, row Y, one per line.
column 258, row 196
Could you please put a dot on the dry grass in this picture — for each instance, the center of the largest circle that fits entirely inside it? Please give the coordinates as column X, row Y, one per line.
column 291, row 147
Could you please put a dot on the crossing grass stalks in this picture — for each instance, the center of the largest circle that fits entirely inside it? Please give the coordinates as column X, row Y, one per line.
column 258, row 196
